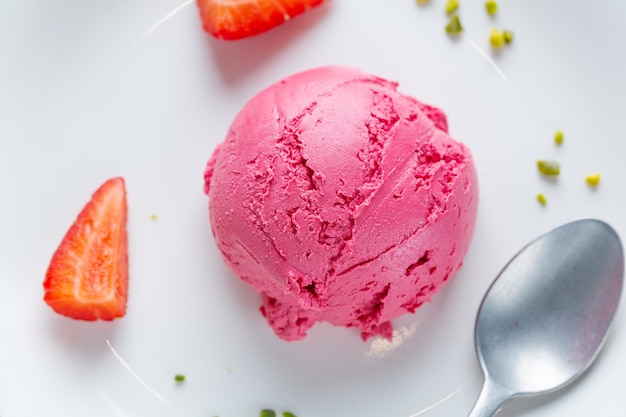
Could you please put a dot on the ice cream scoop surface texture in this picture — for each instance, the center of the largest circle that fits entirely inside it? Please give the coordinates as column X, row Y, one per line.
column 342, row 200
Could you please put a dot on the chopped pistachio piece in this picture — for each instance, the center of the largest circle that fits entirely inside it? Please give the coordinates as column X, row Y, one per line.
column 451, row 6
column 154, row 217
column 422, row 1
column 288, row 414
column 454, row 26
column 179, row 377
column 550, row 168
column 496, row 39
column 492, row 7
column 508, row 36
column 542, row 199
column 558, row 137
column 593, row 180
column 267, row 413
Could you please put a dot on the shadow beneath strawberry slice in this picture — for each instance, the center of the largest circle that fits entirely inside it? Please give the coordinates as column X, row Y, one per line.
column 86, row 339
column 241, row 58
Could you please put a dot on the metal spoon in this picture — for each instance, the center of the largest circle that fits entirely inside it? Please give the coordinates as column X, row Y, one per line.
column 545, row 317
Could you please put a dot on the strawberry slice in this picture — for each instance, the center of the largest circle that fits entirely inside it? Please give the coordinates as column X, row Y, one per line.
column 88, row 275
column 237, row 19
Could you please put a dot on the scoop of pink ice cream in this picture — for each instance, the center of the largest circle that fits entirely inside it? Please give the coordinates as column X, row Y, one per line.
column 340, row 199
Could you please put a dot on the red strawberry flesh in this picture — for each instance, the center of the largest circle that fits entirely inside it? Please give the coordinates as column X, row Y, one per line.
column 238, row 19
column 88, row 275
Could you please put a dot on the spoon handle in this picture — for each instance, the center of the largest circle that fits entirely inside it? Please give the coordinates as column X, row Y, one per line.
column 491, row 398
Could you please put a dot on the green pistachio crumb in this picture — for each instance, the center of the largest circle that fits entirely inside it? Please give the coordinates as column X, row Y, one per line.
column 593, row 180
column 454, row 26
column 497, row 38
column 558, row 137
column 508, row 36
column 492, row 7
column 451, row 6
column 179, row 377
column 550, row 168
column 153, row 217
column 288, row 414
column 422, row 1
column 542, row 199
column 267, row 413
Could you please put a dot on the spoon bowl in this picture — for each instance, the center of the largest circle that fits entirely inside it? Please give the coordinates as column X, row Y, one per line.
column 545, row 317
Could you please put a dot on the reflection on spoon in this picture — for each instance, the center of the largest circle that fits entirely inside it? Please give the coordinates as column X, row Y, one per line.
column 546, row 316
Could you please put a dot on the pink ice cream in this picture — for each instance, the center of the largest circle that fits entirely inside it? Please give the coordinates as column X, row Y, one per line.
column 340, row 199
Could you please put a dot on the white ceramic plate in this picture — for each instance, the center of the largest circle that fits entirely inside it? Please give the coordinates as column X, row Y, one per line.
column 91, row 90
